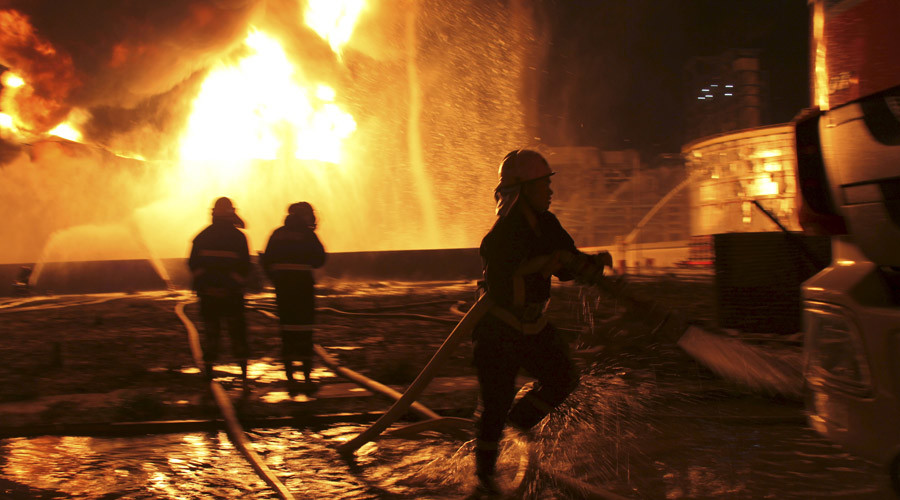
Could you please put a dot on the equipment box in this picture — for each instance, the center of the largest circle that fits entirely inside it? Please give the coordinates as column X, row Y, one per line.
column 758, row 278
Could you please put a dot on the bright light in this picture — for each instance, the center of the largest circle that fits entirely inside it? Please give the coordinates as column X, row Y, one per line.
column 702, row 98
column 66, row 131
column 763, row 186
column 845, row 262
column 770, row 153
column 772, row 167
column 704, row 90
column 729, row 95
column 709, row 95
column 12, row 80
column 729, row 86
column 6, row 121
column 333, row 20
column 257, row 109
column 325, row 93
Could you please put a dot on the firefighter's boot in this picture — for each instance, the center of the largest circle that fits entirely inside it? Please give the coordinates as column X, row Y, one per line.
column 485, row 468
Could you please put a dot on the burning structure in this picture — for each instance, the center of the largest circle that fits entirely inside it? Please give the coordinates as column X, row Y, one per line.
column 130, row 119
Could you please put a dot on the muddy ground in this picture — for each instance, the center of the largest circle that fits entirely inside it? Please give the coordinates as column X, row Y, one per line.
column 126, row 357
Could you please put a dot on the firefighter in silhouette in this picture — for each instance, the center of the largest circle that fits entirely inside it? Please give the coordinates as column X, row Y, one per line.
column 220, row 265
column 292, row 253
column 520, row 253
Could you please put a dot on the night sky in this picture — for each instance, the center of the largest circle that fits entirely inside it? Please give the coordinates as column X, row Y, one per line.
column 614, row 67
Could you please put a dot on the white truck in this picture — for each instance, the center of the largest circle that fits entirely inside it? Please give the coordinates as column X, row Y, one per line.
column 848, row 154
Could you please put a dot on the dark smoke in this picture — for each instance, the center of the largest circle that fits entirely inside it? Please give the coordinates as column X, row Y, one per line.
column 126, row 62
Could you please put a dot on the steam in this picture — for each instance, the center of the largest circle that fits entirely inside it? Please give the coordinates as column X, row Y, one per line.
column 121, row 61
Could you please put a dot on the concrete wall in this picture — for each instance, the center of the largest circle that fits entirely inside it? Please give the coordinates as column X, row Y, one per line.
column 136, row 275
column 400, row 265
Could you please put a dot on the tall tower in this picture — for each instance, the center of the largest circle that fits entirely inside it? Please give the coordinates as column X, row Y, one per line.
column 724, row 93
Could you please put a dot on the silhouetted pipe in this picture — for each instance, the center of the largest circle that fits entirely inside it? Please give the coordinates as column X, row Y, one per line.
column 240, row 442
column 464, row 327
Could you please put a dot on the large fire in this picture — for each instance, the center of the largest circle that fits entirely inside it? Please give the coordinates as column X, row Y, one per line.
column 355, row 106
column 262, row 108
column 334, row 20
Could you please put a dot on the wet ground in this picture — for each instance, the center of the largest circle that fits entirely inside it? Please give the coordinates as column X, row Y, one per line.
column 647, row 422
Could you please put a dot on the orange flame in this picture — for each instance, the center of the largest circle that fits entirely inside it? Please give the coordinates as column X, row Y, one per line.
column 257, row 109
column 36, row 99
column 334, row 20
column 66, row 131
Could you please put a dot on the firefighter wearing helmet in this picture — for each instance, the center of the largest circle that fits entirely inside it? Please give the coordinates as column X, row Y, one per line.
column 220, row 265
column 292, row 253
column 519, row 256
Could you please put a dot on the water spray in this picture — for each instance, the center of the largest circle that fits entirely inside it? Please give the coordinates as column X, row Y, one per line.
column 666, row 323
column 758, row 369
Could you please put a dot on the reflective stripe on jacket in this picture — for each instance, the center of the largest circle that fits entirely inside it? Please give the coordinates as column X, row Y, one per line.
column 515, row 258
column 292, row 252
column 220, row 258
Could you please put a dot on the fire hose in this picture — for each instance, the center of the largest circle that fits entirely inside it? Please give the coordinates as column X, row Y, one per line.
column 589, row 272
column 235, row 433
column 665, row 322
column 581, row 264
column 463, row 328
column 434, row 421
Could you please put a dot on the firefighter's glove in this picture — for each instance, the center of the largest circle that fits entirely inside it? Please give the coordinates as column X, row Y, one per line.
column 592, row 271
column 603, row 259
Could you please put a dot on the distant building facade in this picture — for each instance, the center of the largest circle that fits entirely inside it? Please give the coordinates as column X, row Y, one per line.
column 730, row 171
column 602, row 196
column 724, row 93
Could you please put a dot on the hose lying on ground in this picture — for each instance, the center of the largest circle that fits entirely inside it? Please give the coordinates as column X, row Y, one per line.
column 463, row 328
column 434, row 422
column 74, row 300
column 235, row 433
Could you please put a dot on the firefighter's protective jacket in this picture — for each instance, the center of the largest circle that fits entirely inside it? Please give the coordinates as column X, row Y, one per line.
column 220, row 259
column 293, row 251
column 509, row 252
